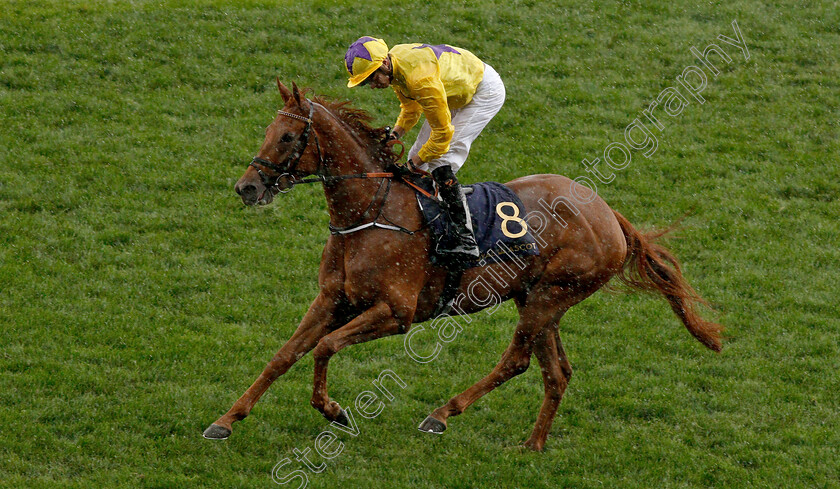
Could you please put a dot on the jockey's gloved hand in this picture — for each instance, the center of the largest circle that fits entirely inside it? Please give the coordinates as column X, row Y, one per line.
column 390, row 134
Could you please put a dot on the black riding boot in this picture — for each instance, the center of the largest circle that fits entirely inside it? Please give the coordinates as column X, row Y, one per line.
column 455, row 203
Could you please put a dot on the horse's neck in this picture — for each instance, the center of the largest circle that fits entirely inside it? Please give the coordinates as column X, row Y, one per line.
column 348, row 199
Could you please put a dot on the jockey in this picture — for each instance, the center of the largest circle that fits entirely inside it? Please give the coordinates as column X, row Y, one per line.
column 457, row 93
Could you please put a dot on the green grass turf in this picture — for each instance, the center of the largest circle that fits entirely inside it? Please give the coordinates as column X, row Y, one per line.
column 138, row 298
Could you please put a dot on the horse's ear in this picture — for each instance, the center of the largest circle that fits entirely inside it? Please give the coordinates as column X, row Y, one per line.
column 296, row 93
column 284, row 91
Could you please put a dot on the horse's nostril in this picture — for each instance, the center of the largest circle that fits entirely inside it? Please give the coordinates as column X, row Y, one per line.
column 247, row 191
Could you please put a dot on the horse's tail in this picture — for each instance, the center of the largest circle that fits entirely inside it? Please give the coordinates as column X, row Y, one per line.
column 652, row 268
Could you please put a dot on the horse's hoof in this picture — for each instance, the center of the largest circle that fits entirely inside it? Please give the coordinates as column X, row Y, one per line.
column 216, row 432
column 533, row 446
column 431, row 425
column 342, row 418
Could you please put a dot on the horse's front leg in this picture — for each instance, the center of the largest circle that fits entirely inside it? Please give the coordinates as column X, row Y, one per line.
column 312, row 328
column 377, row 322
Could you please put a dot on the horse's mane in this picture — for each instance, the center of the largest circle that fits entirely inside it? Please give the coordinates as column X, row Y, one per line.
column 358, row 122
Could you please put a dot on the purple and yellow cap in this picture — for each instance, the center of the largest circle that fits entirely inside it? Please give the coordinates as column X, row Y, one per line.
column 363, row 57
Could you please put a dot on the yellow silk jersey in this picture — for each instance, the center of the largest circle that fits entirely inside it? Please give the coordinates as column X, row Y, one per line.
column 431, row 80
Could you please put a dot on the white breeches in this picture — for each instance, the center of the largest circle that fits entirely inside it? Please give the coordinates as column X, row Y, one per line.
column 468, row 122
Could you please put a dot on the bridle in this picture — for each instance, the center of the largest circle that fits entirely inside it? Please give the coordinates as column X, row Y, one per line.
column 286, row 170
column 288, row 167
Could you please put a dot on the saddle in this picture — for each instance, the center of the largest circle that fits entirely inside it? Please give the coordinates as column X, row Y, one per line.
column 498, row 222
column 497, row 216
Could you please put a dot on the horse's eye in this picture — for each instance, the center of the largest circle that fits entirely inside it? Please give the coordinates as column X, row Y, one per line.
column 287, row 137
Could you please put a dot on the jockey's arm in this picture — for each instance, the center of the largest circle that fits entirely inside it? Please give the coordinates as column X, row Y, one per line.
column 429, row 99
column 431, row 95
column 410, row 112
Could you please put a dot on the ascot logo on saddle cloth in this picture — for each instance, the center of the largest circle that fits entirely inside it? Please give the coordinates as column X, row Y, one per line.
column 497, row 220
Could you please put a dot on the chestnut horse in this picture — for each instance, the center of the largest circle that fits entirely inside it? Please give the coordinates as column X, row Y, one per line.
column 378, row 281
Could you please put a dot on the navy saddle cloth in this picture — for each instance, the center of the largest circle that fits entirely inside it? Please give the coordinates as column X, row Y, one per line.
column 497, row 219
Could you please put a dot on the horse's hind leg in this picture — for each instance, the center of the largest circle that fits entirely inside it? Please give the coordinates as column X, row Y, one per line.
column 542, row 310
column 556, row 372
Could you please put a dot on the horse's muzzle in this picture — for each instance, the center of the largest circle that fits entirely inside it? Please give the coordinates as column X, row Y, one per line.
column 255, row 193
column 248, row 192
